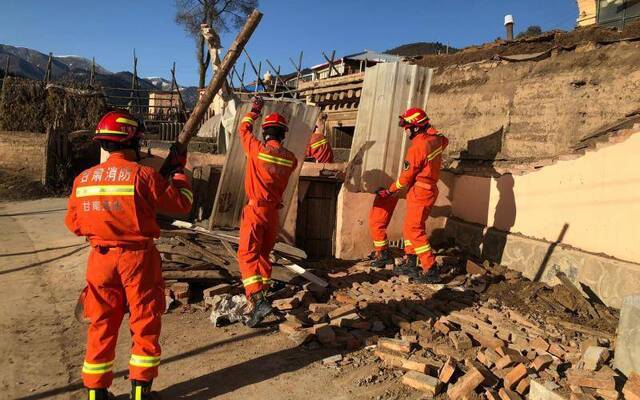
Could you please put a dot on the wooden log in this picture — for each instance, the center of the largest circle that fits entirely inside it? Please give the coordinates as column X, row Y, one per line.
column 191, row 126
column 214, row 258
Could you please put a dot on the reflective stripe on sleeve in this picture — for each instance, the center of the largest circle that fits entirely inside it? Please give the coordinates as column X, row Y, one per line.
column 144, row 361
column 187, row 193
column 399, row 185
column 97, row 369
column 408, row 243
column 380, row 243
column 275, row 160
column 252, row 280
column 422, row 249
column 435, row 153
column 248, row 119
column 105, row 190
column 318, row 143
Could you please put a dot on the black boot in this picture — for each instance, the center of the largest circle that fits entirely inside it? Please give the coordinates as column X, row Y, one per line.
column 261, row 309
column 429, row 277
column 382, row 259
column 141, row 390
column 409, row 266
column 99, row 394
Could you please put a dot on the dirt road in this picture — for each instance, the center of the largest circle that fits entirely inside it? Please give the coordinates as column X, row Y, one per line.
column 42, row 272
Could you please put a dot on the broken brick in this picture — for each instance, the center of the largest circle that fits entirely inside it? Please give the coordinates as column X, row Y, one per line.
column 395, row 345
column 180, row 290
column 390, row 357
column 321, row 308
column 515, row 376
column 341, row 311
column 541, row 362
column 286, row 304
column 460, row 341
column 475, row 269
column 539, row 344
column 466, row 384
column 508, row 394
column 523, row 387
column 326, row 335
column 422, row 382
column 447, row 370
column 290, row 327
column 631, row 389
column 556, row 350
column 597, row 380
column 217, row 289
column 332, row 360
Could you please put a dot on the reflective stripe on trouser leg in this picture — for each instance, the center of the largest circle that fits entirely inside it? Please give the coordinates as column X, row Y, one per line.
column 408, row 247
column 379, row 219
column 141, row 274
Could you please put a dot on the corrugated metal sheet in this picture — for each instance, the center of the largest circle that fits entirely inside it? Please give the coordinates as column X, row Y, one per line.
column 230, row 196
column 379, row 144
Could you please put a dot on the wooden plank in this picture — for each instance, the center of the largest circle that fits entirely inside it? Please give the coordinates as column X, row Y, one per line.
column 379, row 144
column 230, row 196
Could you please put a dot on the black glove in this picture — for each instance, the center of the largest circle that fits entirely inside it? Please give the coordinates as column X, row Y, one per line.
column 175, row 162
column 258, row 103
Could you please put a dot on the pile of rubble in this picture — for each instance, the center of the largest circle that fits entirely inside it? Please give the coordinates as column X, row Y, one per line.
column 455, row 338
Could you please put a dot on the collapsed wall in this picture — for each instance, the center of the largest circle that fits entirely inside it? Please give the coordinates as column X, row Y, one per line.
column 537, row 108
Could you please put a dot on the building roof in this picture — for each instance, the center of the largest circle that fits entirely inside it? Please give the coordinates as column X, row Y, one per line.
column 367, row 55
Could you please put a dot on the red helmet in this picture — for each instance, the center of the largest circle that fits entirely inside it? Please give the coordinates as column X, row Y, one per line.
column 275, row 119
column 118, row 126
column 414, row 118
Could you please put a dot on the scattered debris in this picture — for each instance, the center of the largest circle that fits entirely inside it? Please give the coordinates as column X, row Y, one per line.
column 228, row 308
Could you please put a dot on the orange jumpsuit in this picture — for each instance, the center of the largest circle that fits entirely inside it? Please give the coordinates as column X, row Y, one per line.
column 269, row 166
column 420, row 175
column 114, row 205
column 319, row 148
column 379, row 219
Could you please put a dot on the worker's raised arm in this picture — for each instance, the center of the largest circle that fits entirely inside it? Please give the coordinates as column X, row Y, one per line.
column 250, row 143
column 411, row 166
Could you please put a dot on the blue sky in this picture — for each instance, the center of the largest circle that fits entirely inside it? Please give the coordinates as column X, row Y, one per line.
column 109, row 30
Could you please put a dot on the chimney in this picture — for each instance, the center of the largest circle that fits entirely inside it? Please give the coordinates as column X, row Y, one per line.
column 508, row 23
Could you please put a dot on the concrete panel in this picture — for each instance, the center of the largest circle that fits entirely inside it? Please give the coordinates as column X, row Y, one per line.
column 230, row 197
column 610, row 279
column 379, row 144
column 627, row 355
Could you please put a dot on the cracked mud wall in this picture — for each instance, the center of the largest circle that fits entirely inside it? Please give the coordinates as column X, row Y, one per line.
column 540, row 107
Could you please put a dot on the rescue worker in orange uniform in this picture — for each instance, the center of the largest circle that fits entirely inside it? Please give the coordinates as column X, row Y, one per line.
column 379, row 219
column 319, row 149
column 114, row 205
column 420, row 175
column 269, row 166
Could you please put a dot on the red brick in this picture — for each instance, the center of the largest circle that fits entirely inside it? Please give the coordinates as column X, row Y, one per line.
column 447, row 370
column 466, row 384
column 597, row 380
column 539, row 344
column 523, row 386
column 508, row 394
column 515, row 376
column 631, row 389
column 344, row 310
column 395, row 345
column 541, row 362
column 460, row 340
column 422, row 382
column 286, row 304
column 321, row 307
column 290, row 327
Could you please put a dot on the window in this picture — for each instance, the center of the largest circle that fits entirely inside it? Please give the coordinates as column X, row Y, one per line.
column 618, row 13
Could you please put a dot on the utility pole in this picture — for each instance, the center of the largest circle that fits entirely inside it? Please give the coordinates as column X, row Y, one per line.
column 508, row 23
column 47, row 74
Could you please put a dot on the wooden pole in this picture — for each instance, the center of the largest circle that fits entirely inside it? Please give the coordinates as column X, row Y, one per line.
column 47, row 74
column 174, row 82
column 190, row 128
column 92, row 77
column 255, row 70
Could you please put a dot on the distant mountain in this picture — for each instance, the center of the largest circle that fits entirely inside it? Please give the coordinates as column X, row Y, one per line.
column 32, row 64
column 421, row 48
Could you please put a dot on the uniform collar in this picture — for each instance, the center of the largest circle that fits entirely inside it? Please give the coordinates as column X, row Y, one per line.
column 118, row 155
column 274, row 143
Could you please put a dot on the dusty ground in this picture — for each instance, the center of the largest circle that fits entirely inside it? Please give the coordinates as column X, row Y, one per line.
column 41, row 274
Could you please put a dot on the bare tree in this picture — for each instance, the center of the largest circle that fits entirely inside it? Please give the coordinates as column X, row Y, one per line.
column 220, row 15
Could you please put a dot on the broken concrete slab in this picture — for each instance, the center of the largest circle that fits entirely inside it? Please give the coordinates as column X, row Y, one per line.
column 593, row 358
column 627, row 353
